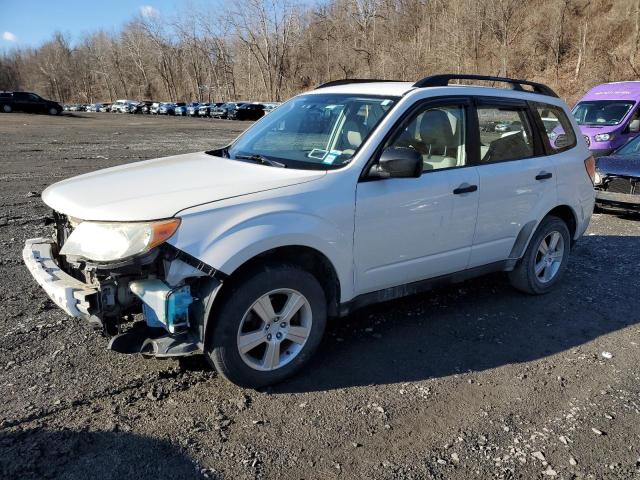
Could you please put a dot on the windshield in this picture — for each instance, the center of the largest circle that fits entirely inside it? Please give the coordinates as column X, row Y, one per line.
column 632, row 147
column 314, row 131
column 601, row 112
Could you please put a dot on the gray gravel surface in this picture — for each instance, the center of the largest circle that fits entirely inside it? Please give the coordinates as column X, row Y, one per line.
column 471, row 381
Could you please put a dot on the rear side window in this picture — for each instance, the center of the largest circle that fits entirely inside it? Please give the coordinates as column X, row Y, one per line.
column 505, row 133
column 558, row 133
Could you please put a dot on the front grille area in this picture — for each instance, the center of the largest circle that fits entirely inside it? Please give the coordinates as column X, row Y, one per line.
column 623, row 185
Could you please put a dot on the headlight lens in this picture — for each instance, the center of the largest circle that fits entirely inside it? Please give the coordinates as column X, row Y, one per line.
column 597, row 178
column 603, row 137
column 107, row 242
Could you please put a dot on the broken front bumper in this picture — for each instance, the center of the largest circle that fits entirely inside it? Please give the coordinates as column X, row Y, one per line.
column 70, row 294
column 618, row 200
column 178, row 336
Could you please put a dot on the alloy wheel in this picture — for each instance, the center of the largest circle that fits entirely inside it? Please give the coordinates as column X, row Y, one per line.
column 274, row 329
column 549, row 257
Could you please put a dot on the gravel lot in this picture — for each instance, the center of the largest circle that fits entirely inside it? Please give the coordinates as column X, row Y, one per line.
column 473, row 381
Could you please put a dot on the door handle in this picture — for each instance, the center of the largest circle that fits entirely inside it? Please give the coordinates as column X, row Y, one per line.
column 544, row 176
column 464, row 188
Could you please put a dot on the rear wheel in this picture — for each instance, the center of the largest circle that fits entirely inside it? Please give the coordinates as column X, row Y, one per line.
column 545, row 259
column 268, row 326
column 7, row 108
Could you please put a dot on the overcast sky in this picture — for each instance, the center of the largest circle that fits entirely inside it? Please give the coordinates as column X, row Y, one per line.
column 30, row 22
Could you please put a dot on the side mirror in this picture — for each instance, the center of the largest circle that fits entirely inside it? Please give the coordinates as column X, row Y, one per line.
column 398, row 162
column 634, row 126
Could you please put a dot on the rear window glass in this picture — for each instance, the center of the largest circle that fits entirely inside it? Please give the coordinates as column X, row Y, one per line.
column 505, row 134
column 558, row 133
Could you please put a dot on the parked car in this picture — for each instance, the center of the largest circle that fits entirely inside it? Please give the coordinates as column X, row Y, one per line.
column 155, row 108
column 94, row 107
column 224, row 110
column 180, row 109
column 123, row 106
column 606, row 114
column 389, row 189
column 130, row 107
column 270, row 107
column 141, row 107
column 515, row 126
column 192, row 109
column 204, row 109
column 617, row 178
column 27, row 102
column 166, row 108
column 250, row 111
column 106, row 107
column 232, row 110
column 172, row 108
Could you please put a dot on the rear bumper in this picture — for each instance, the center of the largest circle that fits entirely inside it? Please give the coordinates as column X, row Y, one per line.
column 70, row 294
column 618, row 200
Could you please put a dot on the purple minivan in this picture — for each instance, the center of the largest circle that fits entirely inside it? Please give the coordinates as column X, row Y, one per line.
column 608, row 116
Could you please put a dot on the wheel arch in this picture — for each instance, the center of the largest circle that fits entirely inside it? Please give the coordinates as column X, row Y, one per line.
column 305, row 257
column 563, row 212
column 568, row 215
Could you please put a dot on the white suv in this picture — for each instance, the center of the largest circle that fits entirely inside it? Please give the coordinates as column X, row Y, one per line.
column 354, row 193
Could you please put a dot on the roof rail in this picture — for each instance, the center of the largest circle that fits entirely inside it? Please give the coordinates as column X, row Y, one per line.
column 444, row 79
column 346, row 81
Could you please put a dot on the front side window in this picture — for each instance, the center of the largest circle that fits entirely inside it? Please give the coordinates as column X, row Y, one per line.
column 314, row 131
column 438, row 134
column 505, row 134
column 601, row 112
column 558, row 132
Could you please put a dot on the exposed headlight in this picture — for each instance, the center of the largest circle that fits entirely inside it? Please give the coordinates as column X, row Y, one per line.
column 603, row 137
column 107, row 242
column 597, row 178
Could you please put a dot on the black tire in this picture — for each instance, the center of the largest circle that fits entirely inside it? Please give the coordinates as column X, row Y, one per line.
column 53, row 111
column 7, row 108
column 523, row 276
column 221, row 346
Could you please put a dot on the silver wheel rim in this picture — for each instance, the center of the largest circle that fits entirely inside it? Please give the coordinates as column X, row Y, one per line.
column 274, row 330
column 53, row 111
column 549, row 257
column 6, row 109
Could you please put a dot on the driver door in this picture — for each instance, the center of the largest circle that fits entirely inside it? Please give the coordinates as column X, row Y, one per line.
column 409, row 229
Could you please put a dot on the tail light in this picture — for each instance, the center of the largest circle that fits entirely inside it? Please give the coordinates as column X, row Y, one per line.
column 590, row 165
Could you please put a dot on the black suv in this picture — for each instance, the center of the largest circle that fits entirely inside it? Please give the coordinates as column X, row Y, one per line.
column 27, row 102
column 250, row 111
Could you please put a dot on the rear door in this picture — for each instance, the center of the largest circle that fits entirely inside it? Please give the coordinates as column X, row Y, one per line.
column 517, row 181
column 22, row 102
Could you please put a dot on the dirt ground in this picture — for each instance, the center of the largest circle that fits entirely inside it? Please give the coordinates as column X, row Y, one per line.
column 472, row 381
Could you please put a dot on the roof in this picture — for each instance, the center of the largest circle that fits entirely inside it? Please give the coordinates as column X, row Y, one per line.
column 615, row 91
column 391, row 89
column 398, row 89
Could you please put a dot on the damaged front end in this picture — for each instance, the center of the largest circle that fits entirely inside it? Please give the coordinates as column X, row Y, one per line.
column 168, row 288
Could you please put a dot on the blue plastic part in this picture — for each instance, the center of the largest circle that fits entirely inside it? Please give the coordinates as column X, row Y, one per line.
column 178, row 302
column 151, row 318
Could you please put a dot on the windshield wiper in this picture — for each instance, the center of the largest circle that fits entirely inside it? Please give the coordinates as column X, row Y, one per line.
column 260, row 159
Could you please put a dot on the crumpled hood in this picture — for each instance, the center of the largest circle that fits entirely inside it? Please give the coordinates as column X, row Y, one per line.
column 161, row 188
column 625, row 165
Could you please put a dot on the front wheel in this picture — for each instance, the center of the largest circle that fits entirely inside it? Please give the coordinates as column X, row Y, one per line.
column 268, row 326
column 545, row 259
column 54, row 111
